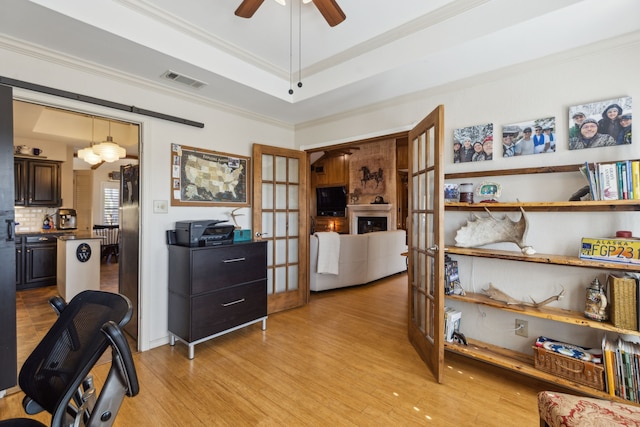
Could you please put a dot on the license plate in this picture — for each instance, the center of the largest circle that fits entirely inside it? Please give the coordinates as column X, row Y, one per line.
column 612, row 250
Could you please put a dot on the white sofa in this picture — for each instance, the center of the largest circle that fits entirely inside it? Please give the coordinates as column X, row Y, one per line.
column 363, row 259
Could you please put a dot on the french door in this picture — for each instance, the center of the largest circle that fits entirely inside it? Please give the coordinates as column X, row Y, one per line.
column 426, row 240
column 280, row 216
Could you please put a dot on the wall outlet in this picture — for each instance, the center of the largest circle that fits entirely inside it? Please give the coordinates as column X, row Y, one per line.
column 160, row 206
column 522, row 328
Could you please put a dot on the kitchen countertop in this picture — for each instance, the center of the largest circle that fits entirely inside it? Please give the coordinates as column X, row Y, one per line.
column 79, row 236
column 53, row 232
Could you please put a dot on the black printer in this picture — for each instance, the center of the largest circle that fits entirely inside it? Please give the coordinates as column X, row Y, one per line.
column 203, row 233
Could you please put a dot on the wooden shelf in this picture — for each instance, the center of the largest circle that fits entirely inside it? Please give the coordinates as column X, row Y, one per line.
column 586, row 206
column 509, row 359
column 522, row 363
column 517, row 171
column 550, row 313
column 541, row 258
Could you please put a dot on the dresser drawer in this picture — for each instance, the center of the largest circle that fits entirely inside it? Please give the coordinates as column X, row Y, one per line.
column 222, row 266
column 227, row 308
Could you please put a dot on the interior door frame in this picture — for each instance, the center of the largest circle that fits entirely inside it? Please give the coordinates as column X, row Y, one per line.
column 296, row 297
column 426, row 245
column 8, row 338
column 72, row 106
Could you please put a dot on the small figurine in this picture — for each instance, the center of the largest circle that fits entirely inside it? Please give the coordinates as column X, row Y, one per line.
column 596, row 302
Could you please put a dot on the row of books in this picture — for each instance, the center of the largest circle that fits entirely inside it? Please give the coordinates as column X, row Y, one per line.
column 613, row 181
column 452, row 320
column 621, row 368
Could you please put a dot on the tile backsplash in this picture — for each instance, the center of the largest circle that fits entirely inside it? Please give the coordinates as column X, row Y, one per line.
column 30, row 219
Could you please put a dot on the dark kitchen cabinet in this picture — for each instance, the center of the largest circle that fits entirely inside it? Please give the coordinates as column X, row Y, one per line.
column 37, row 263
column 215, row 290
column 37, row 182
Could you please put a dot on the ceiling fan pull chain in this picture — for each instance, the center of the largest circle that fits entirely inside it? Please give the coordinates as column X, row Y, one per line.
column 290, row 48
column 300, row 45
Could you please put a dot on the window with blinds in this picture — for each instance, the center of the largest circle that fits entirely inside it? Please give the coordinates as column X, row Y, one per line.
column 110, row 202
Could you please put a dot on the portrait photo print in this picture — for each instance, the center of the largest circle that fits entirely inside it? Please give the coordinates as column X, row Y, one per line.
column 473, row 143
column 531, row 137
column 600, row 124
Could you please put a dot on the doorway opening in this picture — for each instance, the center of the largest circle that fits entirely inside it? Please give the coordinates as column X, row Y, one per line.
column 58, row 134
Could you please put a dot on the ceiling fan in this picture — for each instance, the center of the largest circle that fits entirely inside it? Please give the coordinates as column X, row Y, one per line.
column 328, row 8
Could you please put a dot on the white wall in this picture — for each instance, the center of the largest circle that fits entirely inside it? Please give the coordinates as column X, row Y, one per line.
column 224, row 131
column 544, row 88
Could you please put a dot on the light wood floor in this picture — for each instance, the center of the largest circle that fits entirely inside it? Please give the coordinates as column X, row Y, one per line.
column 342, row 360
column 34, row 315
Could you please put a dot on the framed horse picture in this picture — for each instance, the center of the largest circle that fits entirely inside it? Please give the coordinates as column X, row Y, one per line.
column 369, row 176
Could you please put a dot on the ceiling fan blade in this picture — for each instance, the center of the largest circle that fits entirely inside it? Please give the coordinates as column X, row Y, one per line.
column 247, row 8
column 331, row 11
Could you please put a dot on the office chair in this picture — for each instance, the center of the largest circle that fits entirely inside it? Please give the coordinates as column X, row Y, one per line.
column 55, row 377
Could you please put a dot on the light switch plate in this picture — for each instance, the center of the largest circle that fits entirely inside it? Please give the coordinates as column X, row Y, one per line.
column 160, row 206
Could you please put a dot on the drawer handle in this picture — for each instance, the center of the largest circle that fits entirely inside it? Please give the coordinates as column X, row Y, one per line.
column 233, row 302
column 226, row 261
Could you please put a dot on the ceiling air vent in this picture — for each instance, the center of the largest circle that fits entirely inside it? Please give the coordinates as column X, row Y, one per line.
column 185, row 80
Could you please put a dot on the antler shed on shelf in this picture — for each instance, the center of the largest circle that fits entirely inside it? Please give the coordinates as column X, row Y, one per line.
column 497, row 295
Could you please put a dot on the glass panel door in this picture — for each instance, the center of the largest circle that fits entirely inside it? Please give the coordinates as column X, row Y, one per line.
column 426, row 240
column 279, row 215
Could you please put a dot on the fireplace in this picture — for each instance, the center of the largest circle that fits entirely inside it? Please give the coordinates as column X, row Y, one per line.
column 369, row 224
column 372, row 215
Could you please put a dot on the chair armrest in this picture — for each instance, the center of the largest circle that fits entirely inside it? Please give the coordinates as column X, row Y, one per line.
column 122, row 357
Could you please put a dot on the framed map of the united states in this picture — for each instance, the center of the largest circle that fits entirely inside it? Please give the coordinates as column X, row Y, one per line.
column 202, row 177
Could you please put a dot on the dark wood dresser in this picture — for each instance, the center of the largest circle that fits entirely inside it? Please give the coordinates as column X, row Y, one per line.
column 214, row 290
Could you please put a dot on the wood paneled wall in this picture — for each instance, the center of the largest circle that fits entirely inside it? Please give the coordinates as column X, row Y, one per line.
column 336, row 168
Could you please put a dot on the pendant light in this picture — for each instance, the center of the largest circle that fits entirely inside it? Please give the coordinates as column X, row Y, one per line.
column 108, row 150
column 87, row 154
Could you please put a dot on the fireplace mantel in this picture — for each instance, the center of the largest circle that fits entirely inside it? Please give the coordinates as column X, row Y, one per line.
column 373, row 209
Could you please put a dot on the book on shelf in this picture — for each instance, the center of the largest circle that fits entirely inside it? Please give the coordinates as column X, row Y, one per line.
column 608, row 173
column 621, row 368
column 635, row 179
column 613, row 180
column 452, row 284
column 591, row 180
column 452, row 319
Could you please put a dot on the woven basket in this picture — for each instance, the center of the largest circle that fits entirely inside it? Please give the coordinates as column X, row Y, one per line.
column 587, row 373
column 622, row 292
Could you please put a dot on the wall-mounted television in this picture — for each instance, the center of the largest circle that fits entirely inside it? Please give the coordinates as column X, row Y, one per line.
column 331, row 201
